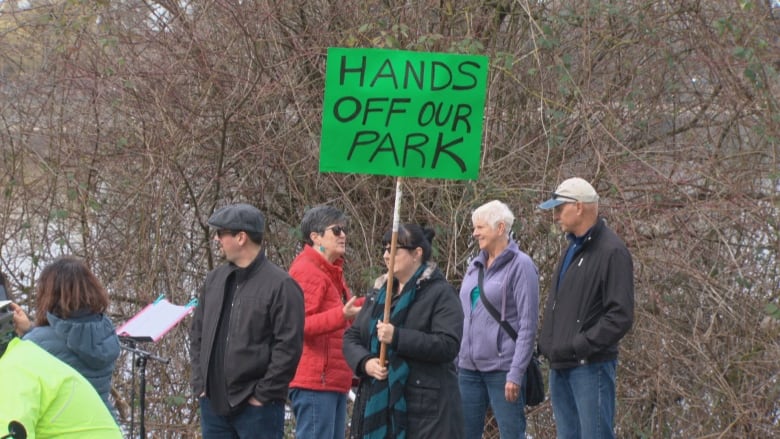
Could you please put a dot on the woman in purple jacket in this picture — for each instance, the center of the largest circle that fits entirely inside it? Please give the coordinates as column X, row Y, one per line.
column 491, row 363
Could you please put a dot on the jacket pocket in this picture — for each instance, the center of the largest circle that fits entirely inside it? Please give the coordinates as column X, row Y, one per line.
column 563, row 343
column 499, row 341
column 422, row 398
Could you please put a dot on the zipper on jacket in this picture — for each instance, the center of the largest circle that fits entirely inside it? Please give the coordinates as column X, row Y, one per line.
column 327, row 361
column 232, row 309
column 471, row 331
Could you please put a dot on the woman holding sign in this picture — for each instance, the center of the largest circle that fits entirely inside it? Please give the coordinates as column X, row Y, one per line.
column 416, row 392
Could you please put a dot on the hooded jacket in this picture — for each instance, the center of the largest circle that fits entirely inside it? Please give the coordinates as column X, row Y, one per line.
column 87, row 342
column 511, row 284
column 322, row 366
column 592, row 307
column 49, row 398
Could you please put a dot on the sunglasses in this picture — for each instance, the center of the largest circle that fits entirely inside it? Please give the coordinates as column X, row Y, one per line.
column 564, row 197
column 222, row 232
column 386, row 248
column 337, row 230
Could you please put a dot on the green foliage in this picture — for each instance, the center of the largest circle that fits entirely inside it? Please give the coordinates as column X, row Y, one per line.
column 772, row 310
column 176, row 400
column 468, row 46
column 60, row 214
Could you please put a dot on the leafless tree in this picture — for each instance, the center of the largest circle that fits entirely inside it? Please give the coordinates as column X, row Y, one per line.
column 125, row 124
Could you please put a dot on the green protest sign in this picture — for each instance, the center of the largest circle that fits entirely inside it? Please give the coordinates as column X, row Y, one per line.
column 401, row 113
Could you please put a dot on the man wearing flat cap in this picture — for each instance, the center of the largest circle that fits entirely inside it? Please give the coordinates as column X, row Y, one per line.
column 247, row 333
column 590, row 307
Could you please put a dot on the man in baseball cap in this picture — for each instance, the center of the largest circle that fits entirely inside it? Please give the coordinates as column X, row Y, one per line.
column 256, row 305
column 590, row 307
column 571, row 190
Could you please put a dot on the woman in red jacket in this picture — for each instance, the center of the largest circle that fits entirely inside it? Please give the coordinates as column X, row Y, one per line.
column 319, row 390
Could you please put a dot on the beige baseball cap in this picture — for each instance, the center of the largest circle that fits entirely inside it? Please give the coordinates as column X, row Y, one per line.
column 571, row 190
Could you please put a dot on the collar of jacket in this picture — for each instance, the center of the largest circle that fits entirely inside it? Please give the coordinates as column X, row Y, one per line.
column 334, row 271
column 426, row 275
column 504, row 257
column 317, row 258
column 591, row 234
column 243, row 273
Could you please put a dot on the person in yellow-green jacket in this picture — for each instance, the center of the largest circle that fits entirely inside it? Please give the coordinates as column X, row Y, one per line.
column 48, row 398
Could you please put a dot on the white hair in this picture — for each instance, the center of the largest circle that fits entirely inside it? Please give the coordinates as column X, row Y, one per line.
column 493, row 213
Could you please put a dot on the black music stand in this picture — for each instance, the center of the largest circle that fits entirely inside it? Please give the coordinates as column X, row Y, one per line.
column 140, row 358
column 154, row 321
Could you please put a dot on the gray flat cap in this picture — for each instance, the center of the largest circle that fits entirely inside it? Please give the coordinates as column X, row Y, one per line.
column 238, row 217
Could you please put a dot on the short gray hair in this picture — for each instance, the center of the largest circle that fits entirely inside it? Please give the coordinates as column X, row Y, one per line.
column 318, row 218
column 493, row 213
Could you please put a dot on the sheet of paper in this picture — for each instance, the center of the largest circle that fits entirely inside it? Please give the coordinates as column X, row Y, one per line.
column 154, row 321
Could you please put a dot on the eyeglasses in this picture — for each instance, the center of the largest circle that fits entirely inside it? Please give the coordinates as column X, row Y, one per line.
column 565, row 197
column 337, row 230
column 386, row 248
column 222, row 232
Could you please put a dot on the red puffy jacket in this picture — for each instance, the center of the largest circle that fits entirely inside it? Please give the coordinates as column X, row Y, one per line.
column 322, row 366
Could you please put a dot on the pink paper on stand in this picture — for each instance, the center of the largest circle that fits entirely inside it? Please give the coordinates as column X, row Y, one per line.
column 154, row 321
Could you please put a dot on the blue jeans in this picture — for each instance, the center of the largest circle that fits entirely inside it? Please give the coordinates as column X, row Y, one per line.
column 320, row 415
column 480, row 389
column 583, row 400
column 265, row 422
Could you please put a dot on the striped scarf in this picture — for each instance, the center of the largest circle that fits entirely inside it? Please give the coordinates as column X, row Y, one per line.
column 385, row 413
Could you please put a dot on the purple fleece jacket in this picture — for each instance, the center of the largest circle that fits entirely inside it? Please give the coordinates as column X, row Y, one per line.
column 511, row 284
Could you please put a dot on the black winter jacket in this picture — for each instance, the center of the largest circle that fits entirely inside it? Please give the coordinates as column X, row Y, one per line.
column 429, row 341
column 593, row 307
column 265, row 338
